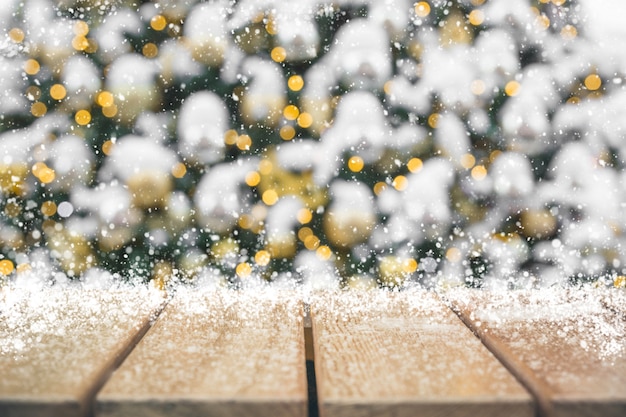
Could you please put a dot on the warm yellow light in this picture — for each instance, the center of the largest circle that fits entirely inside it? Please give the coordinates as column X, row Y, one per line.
column 311, row 242
column 244, row 142
column 304, row 215
column 512, row 88
column 80, row 43
column 262, row 257
column 83, row 117
column 16, row 35
column 253, row 178
column 291, row 112
column 569, row 32
column 379, row 187
column 107, row 147
column 422, row 9
column 409, row 265
column 158, row 22
column 355, row 164
column 304, row 232
column 48, row 208
column 467, row 161
column 479, row 172
column 453, row 254
column 6, row 267
column 179, row 170
column 414, row 165
column 81, row 28
column 150, row 50
column 38, row 109
column 323, row 252
column 45, row 174
column 58, row 92
column 109, row 111
column 593, row 82
column 265, row 167
column 287, row 132
column 433, row 119
column 305, row 120
column 105, row 99
column 31, row 67
column 400, row 182
column 295, row 83
column 278, row 54
column 476, row 17
column 243, row 270
column 270, row 197
column 230, row 137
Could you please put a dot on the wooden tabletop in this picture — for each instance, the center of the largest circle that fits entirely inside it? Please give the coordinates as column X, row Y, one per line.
column 405, row 354
column 566, row 346
column 57, row 347
column 219, row 353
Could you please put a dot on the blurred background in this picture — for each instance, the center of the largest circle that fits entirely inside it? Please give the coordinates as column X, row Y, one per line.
column 348, row 143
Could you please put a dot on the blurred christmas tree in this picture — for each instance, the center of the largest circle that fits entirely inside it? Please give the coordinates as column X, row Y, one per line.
column 346, row 143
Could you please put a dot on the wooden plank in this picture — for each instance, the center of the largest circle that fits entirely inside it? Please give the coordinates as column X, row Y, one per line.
column 405, row 354
column 219, row 353
column 565, row 346
column 57, row 347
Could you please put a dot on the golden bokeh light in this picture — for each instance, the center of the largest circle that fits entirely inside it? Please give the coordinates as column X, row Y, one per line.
column 415, row 165
column 230, row 137
column 479, row 172
column 262, row 257
column 150, row 50
column 291, row 112
column 278, row 54
column 31, row 67
column 6, row 267
column 422, row 9
column 304, row 215
column 48, row 208
column 593, row 82
column 324, row 252
column 305, row 120
column 38, row 109
column 512, row 88
column 16, row 35
column 270, row 197
column 158, row 22
column 476, row 17
column 58, row 92
column 355, row 164
column 400, row 183
column 253, row 178
column 81, row 28
column 83, row 117
column 287, row 132
column 295, row 83
column 179, row 170
column 243, row 270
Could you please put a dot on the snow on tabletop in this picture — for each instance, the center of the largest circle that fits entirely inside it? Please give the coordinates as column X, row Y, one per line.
column 567, row 337
column 55, row 341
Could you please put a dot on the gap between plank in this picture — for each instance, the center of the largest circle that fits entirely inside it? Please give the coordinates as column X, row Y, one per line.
column 310, row 363
column 542, row 403
column 108, row 370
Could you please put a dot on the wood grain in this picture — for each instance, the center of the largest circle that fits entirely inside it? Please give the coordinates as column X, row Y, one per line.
column 567, row 348
column 215, row 354
column 57, row 347
column 405, row 354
